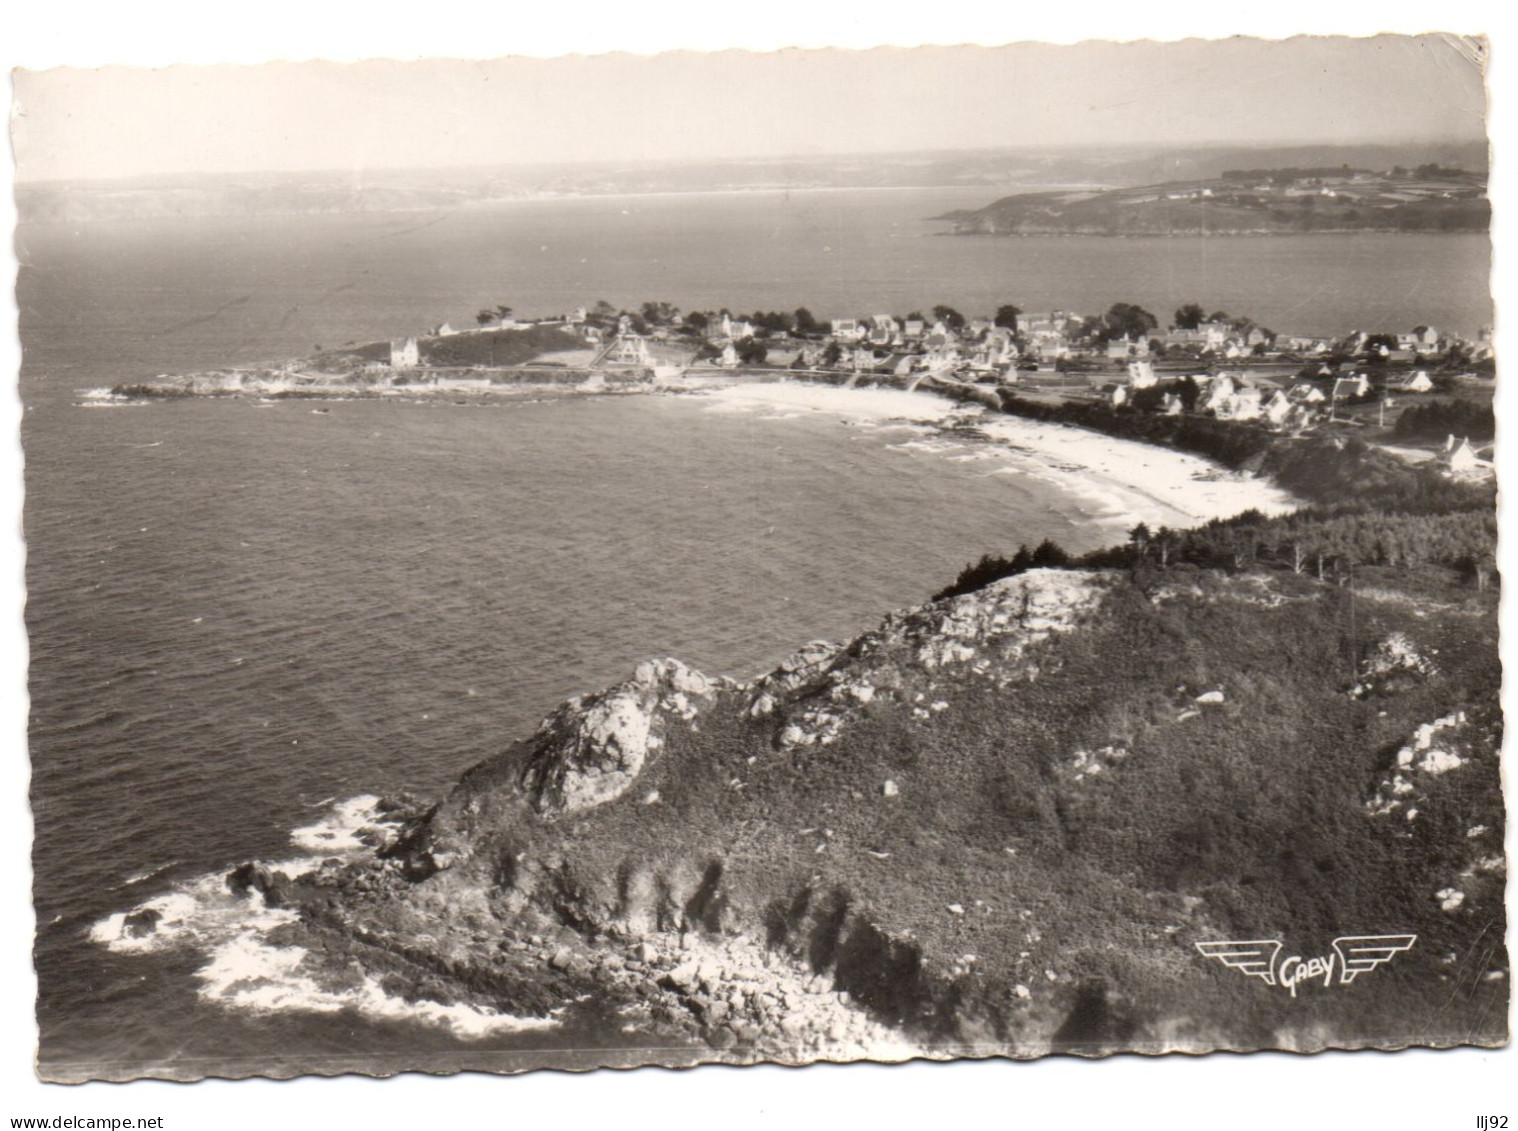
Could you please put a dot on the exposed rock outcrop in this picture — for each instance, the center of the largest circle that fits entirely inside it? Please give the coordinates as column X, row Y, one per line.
column 995, row 822
column 591, row 749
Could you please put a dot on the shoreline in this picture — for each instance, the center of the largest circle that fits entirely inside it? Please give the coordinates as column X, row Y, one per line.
column 1126, row 481
column 1121, row 482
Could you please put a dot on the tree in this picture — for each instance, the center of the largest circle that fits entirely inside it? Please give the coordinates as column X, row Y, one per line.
column 485, row 317
column 950, row 317
column 772, row 321
column 1139, row 538
column 1189, row 317
column 604, row 309
column 1049, row 555
column 1165, row 540
column 658, row 313
column 1125, row 319
column 752, row 352
column 832, row 354
column 1006, row 317
column 805, row 323
column 697, row 321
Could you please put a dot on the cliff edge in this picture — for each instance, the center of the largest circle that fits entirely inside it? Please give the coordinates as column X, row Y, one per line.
column 995, row 824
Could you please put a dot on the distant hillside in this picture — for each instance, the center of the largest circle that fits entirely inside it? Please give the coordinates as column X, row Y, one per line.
column 398, row 190
column 1254, row 200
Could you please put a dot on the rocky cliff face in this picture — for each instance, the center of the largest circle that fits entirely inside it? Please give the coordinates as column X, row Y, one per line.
column 994, row 824
column 592, row 750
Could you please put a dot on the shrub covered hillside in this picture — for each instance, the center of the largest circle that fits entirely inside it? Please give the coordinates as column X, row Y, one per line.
column 1001, row 822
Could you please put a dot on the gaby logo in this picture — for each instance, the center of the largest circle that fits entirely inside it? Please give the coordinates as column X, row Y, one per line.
column 1352, row 956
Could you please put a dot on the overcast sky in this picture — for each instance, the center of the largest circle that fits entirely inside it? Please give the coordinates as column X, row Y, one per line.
column 121, row 121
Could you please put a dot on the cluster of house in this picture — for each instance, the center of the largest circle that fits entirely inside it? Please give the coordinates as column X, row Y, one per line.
column 886, row 344
column 879, row 344
column 978, row 349
column 1294, row 407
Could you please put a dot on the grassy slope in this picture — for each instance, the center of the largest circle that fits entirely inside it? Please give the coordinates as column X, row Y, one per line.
column 1247, row 820
column 486, row 348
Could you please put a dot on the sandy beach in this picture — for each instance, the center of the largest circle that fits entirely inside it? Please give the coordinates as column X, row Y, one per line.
column 1120, row 482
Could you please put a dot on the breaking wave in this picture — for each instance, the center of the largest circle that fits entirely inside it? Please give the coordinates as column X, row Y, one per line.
column 245, row 969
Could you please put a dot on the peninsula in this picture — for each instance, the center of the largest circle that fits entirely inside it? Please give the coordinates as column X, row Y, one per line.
column 1012, row 819
column 1429, row 198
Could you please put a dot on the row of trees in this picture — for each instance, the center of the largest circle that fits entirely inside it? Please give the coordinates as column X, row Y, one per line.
column 1322, row 544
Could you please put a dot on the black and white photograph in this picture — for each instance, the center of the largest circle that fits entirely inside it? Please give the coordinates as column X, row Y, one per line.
column 822, row 556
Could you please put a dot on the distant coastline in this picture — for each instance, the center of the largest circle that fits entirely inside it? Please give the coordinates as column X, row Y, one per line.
column 1430, row 199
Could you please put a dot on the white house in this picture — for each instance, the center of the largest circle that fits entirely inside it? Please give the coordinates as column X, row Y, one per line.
column 1278, row 409
column 404, row 354
column 1347, row 387
column 1219, row 394
column 1242, row 404
column 848, row 329
column 1418, row 382
column 1460, row 459
column 630, row 349
column 1121, row 349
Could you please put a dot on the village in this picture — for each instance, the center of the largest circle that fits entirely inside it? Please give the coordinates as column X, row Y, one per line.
column 1421, row 394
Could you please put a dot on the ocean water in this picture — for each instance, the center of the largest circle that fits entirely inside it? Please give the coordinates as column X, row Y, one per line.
column 241, row 615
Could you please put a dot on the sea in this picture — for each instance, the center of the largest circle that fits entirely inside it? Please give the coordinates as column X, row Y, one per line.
column 246, row 620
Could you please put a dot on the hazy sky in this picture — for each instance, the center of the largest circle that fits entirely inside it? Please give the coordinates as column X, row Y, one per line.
column 121, row 121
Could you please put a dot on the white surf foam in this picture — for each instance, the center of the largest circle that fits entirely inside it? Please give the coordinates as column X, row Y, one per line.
column 244, row 970
column 199, row 913
column 338, row 831
column 147, row 874
column 247, row 973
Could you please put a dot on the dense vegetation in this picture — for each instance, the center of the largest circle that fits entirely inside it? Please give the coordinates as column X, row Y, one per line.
column 1323, row 543
column 1245, row 819
column 1367, row 508
column 1449, row 418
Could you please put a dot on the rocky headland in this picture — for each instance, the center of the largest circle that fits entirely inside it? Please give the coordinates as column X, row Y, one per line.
column 997, row 824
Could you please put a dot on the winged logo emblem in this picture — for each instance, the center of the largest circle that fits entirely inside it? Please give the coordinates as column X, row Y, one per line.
column 1360, row 954
column 1254, row 957
column 1352, row 956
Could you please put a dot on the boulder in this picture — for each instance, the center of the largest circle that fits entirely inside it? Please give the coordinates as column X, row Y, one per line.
column 251, row 877
column 591, row 750
column 140, row 924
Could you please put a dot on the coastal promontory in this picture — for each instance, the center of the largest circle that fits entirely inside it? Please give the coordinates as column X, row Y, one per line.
column 999, row 823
